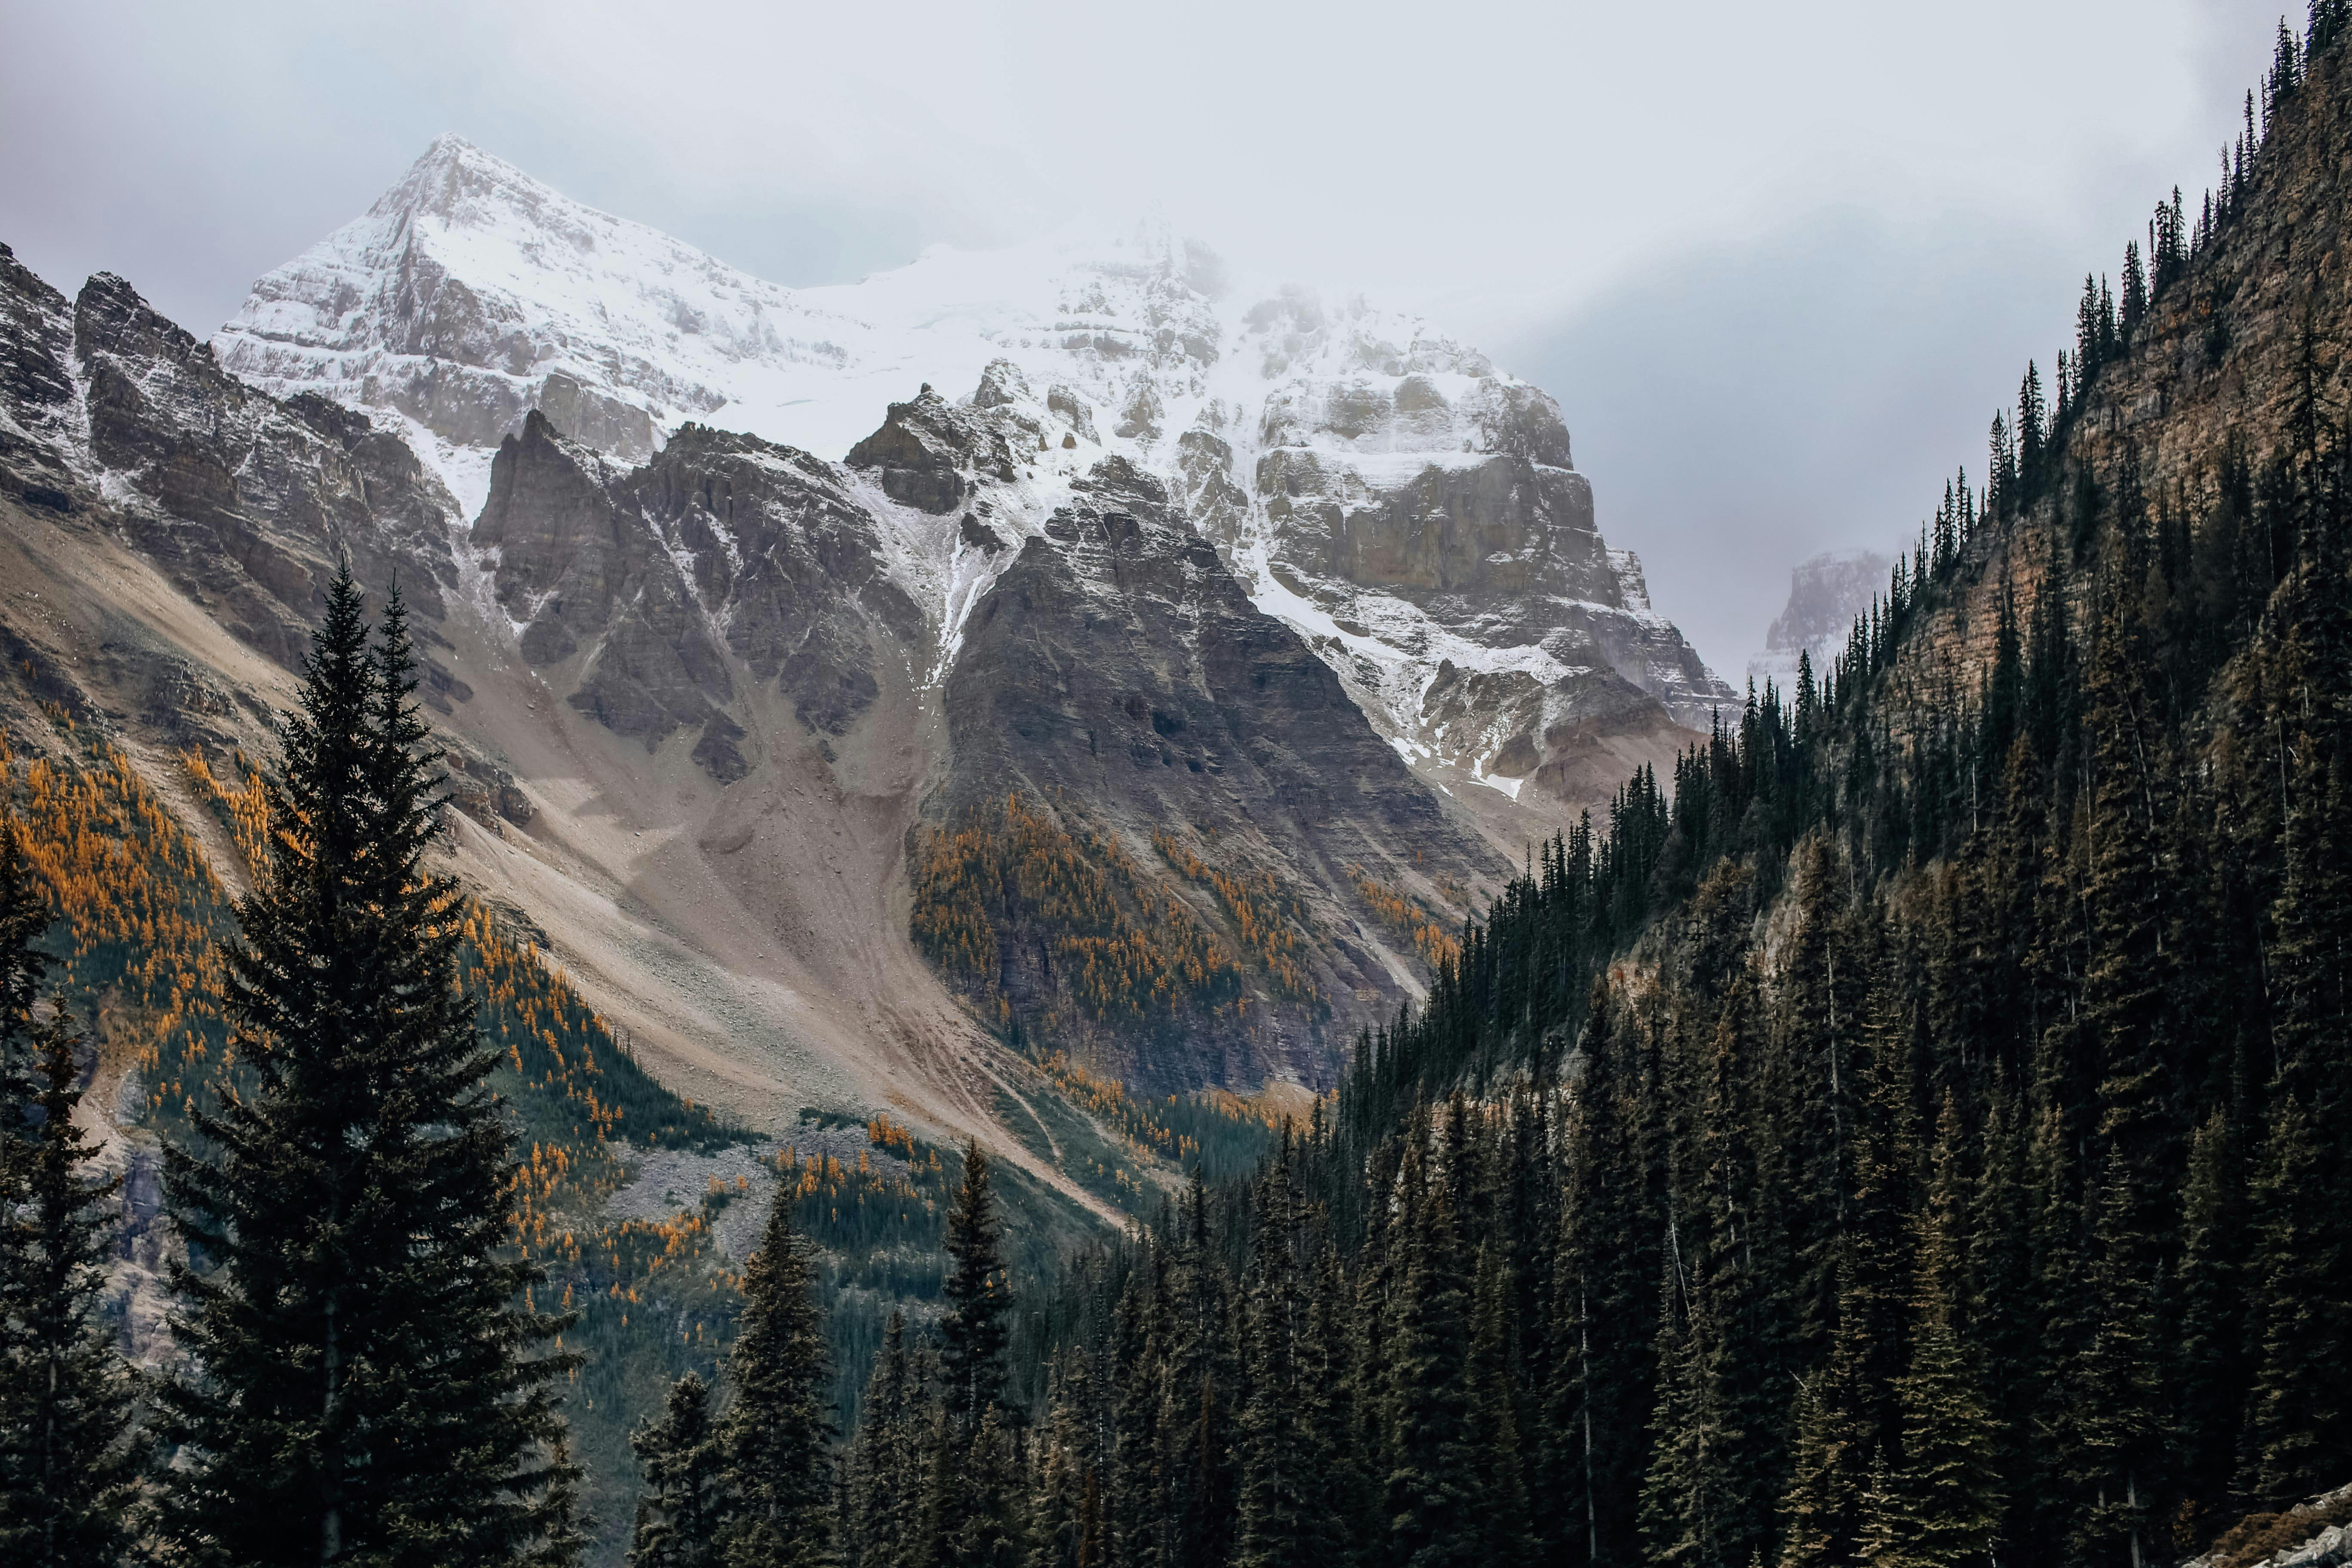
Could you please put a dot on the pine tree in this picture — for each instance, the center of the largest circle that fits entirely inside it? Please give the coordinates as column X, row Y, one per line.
column 1198, row 1406
column 1429, row 1484
column 23, row 917
column 973, row 1332
column 1505, row 1533
column 364, row 1382
column 1059, row 1520
column 1276, row 1524
column 69, row 1456
column 1139, row 1514
column 2297, row 1412
column 2213, row 1360
column 2116, row 1429
column 775, row 1440
column 884, row 1467
column 1605, row 1276
column 1941, row 1506
column 684, row 1507
column 1340, row 1509
column 991, row 1532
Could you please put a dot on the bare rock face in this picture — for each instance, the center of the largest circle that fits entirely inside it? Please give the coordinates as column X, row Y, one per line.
column 39, row 407
column 109, row 411
column 1379, row 486
column 724, row 554
column 1118, row 673
column 930, row 452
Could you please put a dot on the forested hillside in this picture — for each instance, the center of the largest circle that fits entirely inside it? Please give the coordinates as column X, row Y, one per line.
column 1911, row 1136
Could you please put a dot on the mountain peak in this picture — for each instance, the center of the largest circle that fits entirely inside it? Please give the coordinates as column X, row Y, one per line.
column 453, row 179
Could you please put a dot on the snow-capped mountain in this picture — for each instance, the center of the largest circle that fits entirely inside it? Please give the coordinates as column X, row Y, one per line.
column 1382, row 489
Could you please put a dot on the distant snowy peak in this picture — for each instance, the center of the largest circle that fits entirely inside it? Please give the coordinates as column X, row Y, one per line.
column 471, row 293
column 1369, row 479
column 1825, row 595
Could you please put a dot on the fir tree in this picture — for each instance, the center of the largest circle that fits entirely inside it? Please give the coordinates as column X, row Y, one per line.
column 2213, row 1360
column 1059, row 1520
column 69, row 1456
column 2298, row 1411
column 1941, row 1506
column 1276, row 1522
column 366, row 1385
column 23, row 917
column 1428, row 1484
column 990, row 1532
column 1505, row 1533
column 775, row 1440
column 885, row 1466
column 684, row 1503
column 973, row 1332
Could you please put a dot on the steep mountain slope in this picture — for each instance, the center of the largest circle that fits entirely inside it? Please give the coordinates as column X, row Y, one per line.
column 1379, row 486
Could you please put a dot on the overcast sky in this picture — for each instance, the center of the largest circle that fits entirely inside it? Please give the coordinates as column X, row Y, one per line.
column 1779, row 262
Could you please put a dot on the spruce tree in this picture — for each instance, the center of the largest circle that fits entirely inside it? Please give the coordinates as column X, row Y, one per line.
column 1058, row 1523
column 1340, row 1509
column 978, row 1295
column 365, row 1383
column 1276, row 1524
column 2212, row 1358
column 884, row 1470
column 775, row 1440
column 1940, row 1506
column 684, row 1506
column 992, row 1530
column 1430, row 1482
column 23, row 917
column 69, row 1455
column 2297, row 1412
column 1499, row 1472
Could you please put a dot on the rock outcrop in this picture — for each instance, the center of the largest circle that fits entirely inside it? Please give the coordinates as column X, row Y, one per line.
column 1118, row 673
column 655, row 585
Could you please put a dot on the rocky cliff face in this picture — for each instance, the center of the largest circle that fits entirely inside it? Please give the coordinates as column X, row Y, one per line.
column 1379, row 487
column 797, row 668
column 2213, row 380
column 655, row 589
column 1232, row 596
column 114, row 416
column 1116, row 673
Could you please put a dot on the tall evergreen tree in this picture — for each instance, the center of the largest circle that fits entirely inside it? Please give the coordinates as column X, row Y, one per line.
column 1276, row 1522
column 2297, row 1413
column 885, row 1463
column 366, row 1384
column 1938, row 1506
column 23, row 917
column 70, row 1456
column 775, row 1442
column 1431, row 1479
column 684, row 1503
column 978, row 1294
